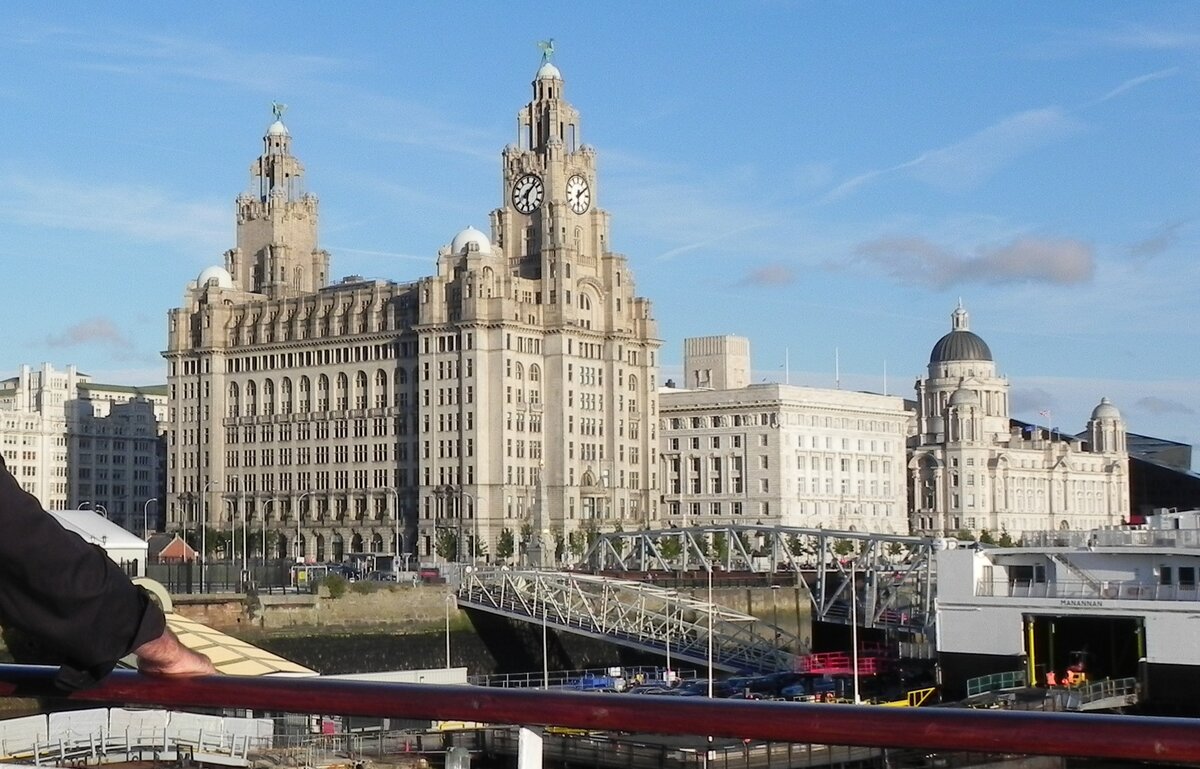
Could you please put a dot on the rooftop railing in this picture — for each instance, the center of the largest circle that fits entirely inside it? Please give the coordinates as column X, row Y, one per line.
column 1131, row 738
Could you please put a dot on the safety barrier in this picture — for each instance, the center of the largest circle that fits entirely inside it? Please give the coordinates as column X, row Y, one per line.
column 1140, row 738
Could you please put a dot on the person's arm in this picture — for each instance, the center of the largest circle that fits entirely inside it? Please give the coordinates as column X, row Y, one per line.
column 66, row 594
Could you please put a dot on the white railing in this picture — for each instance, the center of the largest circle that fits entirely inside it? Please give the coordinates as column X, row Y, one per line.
column 120, row 734
column 1106, row 590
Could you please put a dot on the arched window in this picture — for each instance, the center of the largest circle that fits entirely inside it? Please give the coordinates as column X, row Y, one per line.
column 251, row 399
column 323, row 393
column 268, row 397
column 633, row 384
column 285, row 395
column 234, row 399
column 535, row 373
column 341, row 395
column 305, row 395
column 360, row 390
column 381, row 389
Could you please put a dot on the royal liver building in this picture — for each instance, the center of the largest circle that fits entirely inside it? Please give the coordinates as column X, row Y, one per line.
column 509, row 397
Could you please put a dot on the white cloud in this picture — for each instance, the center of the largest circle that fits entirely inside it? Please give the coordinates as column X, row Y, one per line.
column 973, row 160
column 134, row 54
column 914, row 259
column 92, row 333
column 1134, row 82
column 140, row 213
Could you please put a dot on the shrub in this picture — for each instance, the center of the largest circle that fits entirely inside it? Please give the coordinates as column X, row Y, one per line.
column 336, row 584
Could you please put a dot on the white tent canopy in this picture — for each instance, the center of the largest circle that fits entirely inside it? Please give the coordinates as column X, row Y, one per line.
column 121, row 545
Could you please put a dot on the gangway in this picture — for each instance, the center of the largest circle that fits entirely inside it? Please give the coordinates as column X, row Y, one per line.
column 1107, row 694
column 890, row 577
column 633, row 614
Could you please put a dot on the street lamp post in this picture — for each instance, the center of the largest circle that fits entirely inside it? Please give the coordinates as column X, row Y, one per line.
column 474, row 520
column 146, row 517
column 89, row 505
column 269, row 505
column 299, row 512
column 449, row 598
column 396, row 522
column 710, row 629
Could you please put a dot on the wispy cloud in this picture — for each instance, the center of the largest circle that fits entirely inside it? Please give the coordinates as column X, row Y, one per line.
column 1156, row 405
column 1031, row 399
column 1134, row 82
column 1160, row 242
column 1026, row 259
column 1146, row 38
column 705, row 242
column 137, row 212
column 93, row 331
column 770, row 275
column 134, row 54
column 973, row 160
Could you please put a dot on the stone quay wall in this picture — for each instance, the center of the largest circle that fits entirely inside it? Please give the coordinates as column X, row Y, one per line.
column 420, row 608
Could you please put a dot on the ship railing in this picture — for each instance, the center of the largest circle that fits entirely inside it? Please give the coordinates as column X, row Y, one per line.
column 1012, row 679
column 1106, row 590
column 1116, row 738
column 1107, row 693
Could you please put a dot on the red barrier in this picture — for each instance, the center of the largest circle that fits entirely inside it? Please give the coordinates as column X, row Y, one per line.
column 1134, row 738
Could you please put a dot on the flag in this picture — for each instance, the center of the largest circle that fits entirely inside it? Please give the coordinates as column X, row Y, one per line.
column 1044, row 413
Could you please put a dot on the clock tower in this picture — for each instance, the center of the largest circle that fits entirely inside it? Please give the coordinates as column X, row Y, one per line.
column 540, row 321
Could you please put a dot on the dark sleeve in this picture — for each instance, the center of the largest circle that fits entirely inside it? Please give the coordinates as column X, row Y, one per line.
column 68, row 595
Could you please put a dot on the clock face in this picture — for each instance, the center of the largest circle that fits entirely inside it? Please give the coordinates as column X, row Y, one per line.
column 579, row 195
column 527, row 193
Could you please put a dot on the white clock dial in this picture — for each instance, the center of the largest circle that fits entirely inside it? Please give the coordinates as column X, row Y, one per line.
column 527, row 193
column 579, row 195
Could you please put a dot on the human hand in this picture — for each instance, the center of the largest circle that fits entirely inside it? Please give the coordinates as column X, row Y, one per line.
column 166, row 656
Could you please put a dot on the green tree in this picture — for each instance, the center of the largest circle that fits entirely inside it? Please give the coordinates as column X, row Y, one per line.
column 618, row 543
column 507, row 545
column 843, row 547
column 447, row 544
column 1006, row 539
column 963, row 535
column 719, row 546
column 670, row 546
column 986, row 538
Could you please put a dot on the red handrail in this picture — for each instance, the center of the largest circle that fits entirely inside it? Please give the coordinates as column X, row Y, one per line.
column 1136, row 738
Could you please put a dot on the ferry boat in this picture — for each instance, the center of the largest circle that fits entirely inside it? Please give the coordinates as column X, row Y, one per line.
column 1114, row 603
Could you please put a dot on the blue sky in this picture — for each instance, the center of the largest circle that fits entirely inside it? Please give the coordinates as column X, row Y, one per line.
column 827, row 179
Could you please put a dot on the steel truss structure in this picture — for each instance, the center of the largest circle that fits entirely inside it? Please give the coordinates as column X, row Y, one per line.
column 634, row 614
column 891, row 577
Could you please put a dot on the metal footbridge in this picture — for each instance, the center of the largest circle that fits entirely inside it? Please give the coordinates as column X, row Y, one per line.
column 635, row 615
column 884, row 581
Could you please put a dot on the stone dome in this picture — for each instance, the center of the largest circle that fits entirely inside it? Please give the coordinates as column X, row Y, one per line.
column 1105, row 410
column 468, row 236
column 219, row 274
column 960, row 345
column 964, row 397
column 277, row 129
column 547, row 72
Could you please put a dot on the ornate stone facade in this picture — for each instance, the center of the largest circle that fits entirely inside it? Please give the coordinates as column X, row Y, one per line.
column 510, row 396
column 972, row 468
